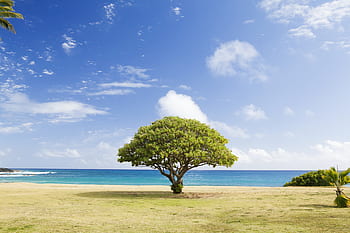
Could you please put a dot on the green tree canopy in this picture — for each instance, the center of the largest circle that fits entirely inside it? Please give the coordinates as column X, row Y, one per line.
column 7, row 11
column 174, row 146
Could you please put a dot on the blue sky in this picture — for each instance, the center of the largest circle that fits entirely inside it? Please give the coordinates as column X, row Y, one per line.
column 80, row 77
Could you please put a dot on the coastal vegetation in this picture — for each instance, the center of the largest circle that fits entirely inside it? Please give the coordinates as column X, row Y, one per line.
column 174, row 145
column 90, row 208
column 338, row 179
column 330, row 177
column 313, row 178
column 7, row 11
column 6, row 170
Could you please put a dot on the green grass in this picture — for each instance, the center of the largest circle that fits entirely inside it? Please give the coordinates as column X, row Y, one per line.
column 64, row 208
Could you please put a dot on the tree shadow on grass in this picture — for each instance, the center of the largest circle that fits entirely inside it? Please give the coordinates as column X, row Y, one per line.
column 318, row 206
column 142, row 194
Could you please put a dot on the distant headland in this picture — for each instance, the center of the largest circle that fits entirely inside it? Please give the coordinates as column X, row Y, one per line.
column 6, row 170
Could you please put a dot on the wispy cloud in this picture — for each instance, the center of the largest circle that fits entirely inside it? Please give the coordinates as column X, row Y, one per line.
column 131, row 71
column 288, row 111
column 112, row 92
column 176, row 10
column 48, row 72
column 110, row 12
column 237, row 58
column 68, row 44
column 324, row 15
column 125, row 84
column 252, row 112
column 15, row 101
column 67, row 153
column 6, row 129
column 185, row 87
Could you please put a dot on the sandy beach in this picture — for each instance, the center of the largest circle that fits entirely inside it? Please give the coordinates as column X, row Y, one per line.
column 27, row 207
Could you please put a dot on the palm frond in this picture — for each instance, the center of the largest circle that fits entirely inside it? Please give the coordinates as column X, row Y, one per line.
column 6, row 8
column 7, row 25
column 7, row 3
column 8, row 14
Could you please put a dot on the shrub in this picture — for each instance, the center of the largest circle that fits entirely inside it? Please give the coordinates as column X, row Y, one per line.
column 313, row 178
column 342, row 201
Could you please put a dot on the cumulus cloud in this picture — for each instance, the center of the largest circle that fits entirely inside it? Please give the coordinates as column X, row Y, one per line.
column 252, row 112
column 173, row 104
column 322, row 15
column 68, row 44
column 236, row 57
column 328, row 153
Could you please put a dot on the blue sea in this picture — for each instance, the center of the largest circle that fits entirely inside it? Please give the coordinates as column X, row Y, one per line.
column 150, row 177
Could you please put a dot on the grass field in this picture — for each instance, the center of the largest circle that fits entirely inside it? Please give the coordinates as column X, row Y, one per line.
column 90, row 208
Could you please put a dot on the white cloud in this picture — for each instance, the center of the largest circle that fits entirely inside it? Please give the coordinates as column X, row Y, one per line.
column 230, row 131
column 177, row 10
column 132, row 71
column 16, row 128
column 185, row 87
column 110, row 12
column 125, row 84
column 343, row 44
column 324, row 15
column 67, row 153
column 309, row 113
column 5, row 152
column 252, row 112
column 321, row 156
column 288, row 111
column 236, row 57
column 173, row 104
column 68, row 44
column 61, row 110
column 248, row 21
column 112, row 92
column 301, row 31
column 336, row 152
column 48, row 72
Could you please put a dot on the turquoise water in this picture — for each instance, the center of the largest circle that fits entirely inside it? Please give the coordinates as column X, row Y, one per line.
column 151, row 177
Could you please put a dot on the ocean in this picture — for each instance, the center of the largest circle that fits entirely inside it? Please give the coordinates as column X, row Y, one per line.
column 258, row 178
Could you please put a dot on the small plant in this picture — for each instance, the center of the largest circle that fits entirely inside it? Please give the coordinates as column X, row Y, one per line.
column 338, row 179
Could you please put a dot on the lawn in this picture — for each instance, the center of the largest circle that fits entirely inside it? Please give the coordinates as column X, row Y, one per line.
column 91, row 208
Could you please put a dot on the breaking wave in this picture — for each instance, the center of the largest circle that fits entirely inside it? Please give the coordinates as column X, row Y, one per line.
column 23, row 173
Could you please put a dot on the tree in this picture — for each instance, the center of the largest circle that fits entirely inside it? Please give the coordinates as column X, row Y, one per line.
column 175, row 145
column 338, row 179
column 7, row 11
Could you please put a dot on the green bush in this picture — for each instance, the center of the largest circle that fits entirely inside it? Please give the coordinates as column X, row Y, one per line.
column 342, row 201
column 313, row 178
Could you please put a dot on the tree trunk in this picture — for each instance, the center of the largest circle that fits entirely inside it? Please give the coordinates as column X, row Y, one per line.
column 177, row 186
